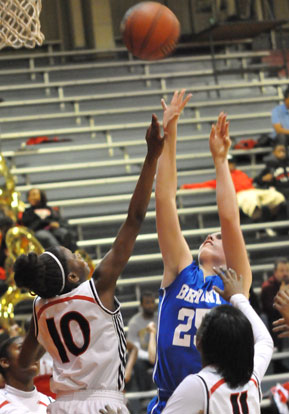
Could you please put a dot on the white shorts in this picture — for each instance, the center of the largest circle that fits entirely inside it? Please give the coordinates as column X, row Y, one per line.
column 88, row 402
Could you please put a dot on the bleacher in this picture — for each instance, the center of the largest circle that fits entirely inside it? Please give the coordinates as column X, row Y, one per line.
column 99, row 112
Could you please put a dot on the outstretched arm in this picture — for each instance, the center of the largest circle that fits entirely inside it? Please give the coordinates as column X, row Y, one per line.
column 175, row 251
column 111, row 266
column 281, row 303
column 31, row 350
column 232, row 237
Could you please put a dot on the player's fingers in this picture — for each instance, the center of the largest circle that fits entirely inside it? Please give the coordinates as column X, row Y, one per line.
column 232, row 273
column 220, row 272
column 284, row 335
column 218, row 290
column 223, row 124
column 213, row 132
column 164, row 105
column 280, row 321
column 181, row 95
column 186, row 100
column 280, row 328
column 280, row 299
column 175, row 97
column 219, row 121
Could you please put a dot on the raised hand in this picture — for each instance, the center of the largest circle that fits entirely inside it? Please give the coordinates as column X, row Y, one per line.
column 233, row 283
column 281, row 303
column 109, row 410
column 174, row 109
column 281, row 328
column 155, row 142
column 219, row 138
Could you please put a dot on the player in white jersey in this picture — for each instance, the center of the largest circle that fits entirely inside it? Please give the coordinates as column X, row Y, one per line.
column 78, row 321
column 236, row 349
column 19, row 394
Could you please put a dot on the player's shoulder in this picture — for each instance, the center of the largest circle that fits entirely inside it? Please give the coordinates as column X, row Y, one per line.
column 5, row 403
column 44, row 399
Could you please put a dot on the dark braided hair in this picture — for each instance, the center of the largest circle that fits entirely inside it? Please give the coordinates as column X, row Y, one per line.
column 40, row 274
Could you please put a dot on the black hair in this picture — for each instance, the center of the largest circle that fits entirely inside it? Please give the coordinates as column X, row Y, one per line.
column 280, row 260
column 286, row 93
column 4, row 351
column 40, row 274
column 43, row 197
column 146, row 294
column 227, row 342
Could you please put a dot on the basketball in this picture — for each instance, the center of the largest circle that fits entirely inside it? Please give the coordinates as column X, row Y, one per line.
column 150, row 30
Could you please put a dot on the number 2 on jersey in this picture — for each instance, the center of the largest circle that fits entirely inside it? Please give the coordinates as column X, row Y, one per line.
column 187, row 315
column 67, row 335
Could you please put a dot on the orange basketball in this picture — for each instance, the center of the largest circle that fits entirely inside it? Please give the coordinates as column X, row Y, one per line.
column 150, row 30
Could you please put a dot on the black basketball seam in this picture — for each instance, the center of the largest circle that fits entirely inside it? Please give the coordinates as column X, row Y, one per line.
column 151, row 29
column 170, row 46
column 130, row 37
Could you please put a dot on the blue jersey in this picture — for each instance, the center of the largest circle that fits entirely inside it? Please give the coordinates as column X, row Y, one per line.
column 182, row 306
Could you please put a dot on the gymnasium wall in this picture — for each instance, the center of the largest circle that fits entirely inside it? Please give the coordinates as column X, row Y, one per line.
column 80, row 24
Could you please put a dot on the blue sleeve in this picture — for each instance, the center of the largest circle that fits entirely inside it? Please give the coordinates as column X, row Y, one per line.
column 275, row 115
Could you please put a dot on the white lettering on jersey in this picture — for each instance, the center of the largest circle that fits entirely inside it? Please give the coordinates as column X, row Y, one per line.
column 195, row 296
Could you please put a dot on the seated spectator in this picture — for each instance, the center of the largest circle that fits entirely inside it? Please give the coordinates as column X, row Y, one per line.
column 19, row 394
column 280, row 117
column 276, row 172
column 259, row 204
column 278, row 281
column 49, row 227
column 138, row 334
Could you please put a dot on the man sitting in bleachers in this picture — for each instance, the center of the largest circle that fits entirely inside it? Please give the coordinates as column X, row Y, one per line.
column 280, row 117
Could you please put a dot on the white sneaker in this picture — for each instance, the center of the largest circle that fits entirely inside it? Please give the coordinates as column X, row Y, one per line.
column 271, row 232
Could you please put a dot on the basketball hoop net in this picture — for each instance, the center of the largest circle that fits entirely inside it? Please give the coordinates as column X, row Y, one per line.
column 19, row 23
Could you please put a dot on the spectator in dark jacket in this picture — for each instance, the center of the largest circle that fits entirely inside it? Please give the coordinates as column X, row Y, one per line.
column 276, row 172
column 48, row 226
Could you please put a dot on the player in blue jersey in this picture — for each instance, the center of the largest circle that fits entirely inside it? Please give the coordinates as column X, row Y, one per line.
column 186, row 293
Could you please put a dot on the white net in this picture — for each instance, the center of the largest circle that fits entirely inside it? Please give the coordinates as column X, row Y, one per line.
column 19, row 23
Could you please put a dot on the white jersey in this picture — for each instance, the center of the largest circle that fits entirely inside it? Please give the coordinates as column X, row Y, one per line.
column 85, row 340
column 14, row 401
column 208, row 393
column 220, row 398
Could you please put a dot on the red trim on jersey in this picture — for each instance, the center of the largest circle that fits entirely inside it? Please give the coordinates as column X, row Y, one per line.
column 255, row 382
column 4, row 403
column 55, row 302
column 40, row 402
column 217, row 385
